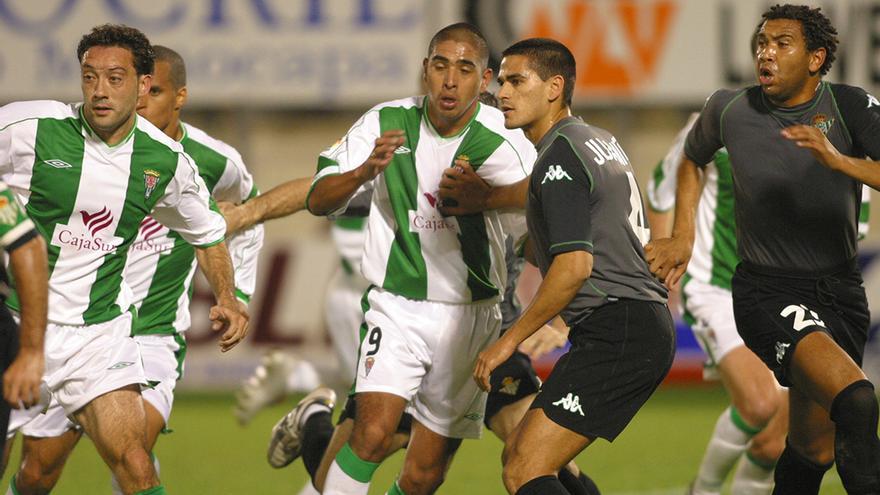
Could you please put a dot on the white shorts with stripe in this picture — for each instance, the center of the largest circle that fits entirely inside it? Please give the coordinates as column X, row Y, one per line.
column 711, row 308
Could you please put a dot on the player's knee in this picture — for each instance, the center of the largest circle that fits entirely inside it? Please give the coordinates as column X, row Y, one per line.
column 855, row 407
column 32, row 479
column 515, row 473
column 371, row 442
column 135, row 464
column 819, row 450
column 758, row 411
column 766, row 448
column 417, row 480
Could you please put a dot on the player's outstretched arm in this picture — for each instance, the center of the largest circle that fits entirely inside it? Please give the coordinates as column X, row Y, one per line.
column 668, row 258
column 21, row 382
column 813, row 139
column 331, row 193
column 463, row 192
column 229, row 315
column 567, row 273
column 280, row 201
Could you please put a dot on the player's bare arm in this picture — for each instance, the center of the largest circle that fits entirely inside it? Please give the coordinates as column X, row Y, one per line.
column 21, row 382
column 566, row 276
column 464, row 192
column 229, row 315
column 280, row 201
column 813, row 139
column 332, row 192
column 668, row 258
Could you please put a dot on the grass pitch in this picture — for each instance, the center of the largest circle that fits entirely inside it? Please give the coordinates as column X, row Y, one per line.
column 208, row 453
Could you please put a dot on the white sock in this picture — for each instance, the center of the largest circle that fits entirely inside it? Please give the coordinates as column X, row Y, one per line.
column 114, row 483
column 751, row 478
column 727, row 444
column 309, row 490
column 339, row 483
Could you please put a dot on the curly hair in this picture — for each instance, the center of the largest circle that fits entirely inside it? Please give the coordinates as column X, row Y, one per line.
column 817, row 29
column 122, row 36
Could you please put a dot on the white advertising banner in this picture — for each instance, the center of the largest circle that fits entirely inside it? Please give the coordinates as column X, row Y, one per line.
column 306, row 53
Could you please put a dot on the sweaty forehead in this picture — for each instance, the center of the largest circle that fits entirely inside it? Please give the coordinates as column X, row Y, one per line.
column 515, row 65
column 107, row 57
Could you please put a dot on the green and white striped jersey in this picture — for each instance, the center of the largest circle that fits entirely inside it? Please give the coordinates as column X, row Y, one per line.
column 161, row 264
column 714, row 258
column 88, row 200
column 410, row 249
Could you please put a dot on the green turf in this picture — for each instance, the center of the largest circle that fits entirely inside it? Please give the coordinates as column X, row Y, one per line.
column 208, row 453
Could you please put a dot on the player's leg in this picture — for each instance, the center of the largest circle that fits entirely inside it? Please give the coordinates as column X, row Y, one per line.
column 540, row 449
column 823, row 372
column 378, row 415
column 116, row 424
column 42, row 461
column 809, row 448
column 426, row 462
column 754, row 474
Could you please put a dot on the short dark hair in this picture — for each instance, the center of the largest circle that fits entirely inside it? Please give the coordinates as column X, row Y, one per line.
column 177, row 66
column 549, row 58
column 461, row 30
column 817, row 29
column 122, row 36
column 487, row 98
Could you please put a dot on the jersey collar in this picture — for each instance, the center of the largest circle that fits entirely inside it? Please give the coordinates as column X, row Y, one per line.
column 91, row 133
column 457, row 134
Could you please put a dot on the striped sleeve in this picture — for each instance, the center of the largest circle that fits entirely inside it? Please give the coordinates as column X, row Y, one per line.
column 185, row 207
column 663, row 182
column 15, row 226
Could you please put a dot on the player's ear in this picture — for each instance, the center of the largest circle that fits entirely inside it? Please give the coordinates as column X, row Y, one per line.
column 555, row 87
column 425, row 70
column 180, row 98
column 487, row 78
column 144, row 83
column 817, row 59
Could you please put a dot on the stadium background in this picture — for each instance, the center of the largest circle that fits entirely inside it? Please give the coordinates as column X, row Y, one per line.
column 280, row 80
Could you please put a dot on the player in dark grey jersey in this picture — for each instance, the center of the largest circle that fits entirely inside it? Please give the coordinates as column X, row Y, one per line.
column 587, row 228
column 798, row 149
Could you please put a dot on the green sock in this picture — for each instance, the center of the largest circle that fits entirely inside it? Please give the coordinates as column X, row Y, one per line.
column 156, row 490
column 395, row 489
column 355, row 467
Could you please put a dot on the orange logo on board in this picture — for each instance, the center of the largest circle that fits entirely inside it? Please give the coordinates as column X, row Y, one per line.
column 587, row 30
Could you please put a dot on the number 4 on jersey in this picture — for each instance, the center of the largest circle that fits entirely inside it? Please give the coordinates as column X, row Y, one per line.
column 637, row 214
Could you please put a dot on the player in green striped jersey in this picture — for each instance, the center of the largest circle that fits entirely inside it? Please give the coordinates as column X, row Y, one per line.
column 436, row 279
column 89, row 174
column 159, row 269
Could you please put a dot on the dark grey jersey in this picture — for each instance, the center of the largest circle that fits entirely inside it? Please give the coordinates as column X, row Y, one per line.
column 792, row 212
column 583, row 196
column 510, row 306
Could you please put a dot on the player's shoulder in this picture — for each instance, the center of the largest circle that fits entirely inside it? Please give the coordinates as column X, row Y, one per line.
column 20, row 111
column 853, row 97
column 492, row 120
column 722, row 98
column 156, row 137
column 201, row 137
column 409, row 103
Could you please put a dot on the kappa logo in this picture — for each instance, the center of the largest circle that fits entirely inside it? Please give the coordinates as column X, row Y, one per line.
column 571, row 403
column 57, row 163
column 555, row 173
column 97, row 222
column 120, row 365
column 781, row 347
column 873, row 102
column 402, row 150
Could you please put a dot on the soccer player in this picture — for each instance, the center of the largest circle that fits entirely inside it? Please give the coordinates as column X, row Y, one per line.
column 436, row 280
column 159, row 270
column 88, row 175
column 21, row 347
column 797, row 149
column 587, row 229
column 756, row 422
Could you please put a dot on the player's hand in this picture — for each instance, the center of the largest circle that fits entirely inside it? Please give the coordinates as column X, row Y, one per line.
column 383, row 152
column 230, row 317
column 668, row 258
column 490, row 359
column 813, row 139
column 233, row 215
column 462, row 191
column 21, row 382
column 547, row 338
